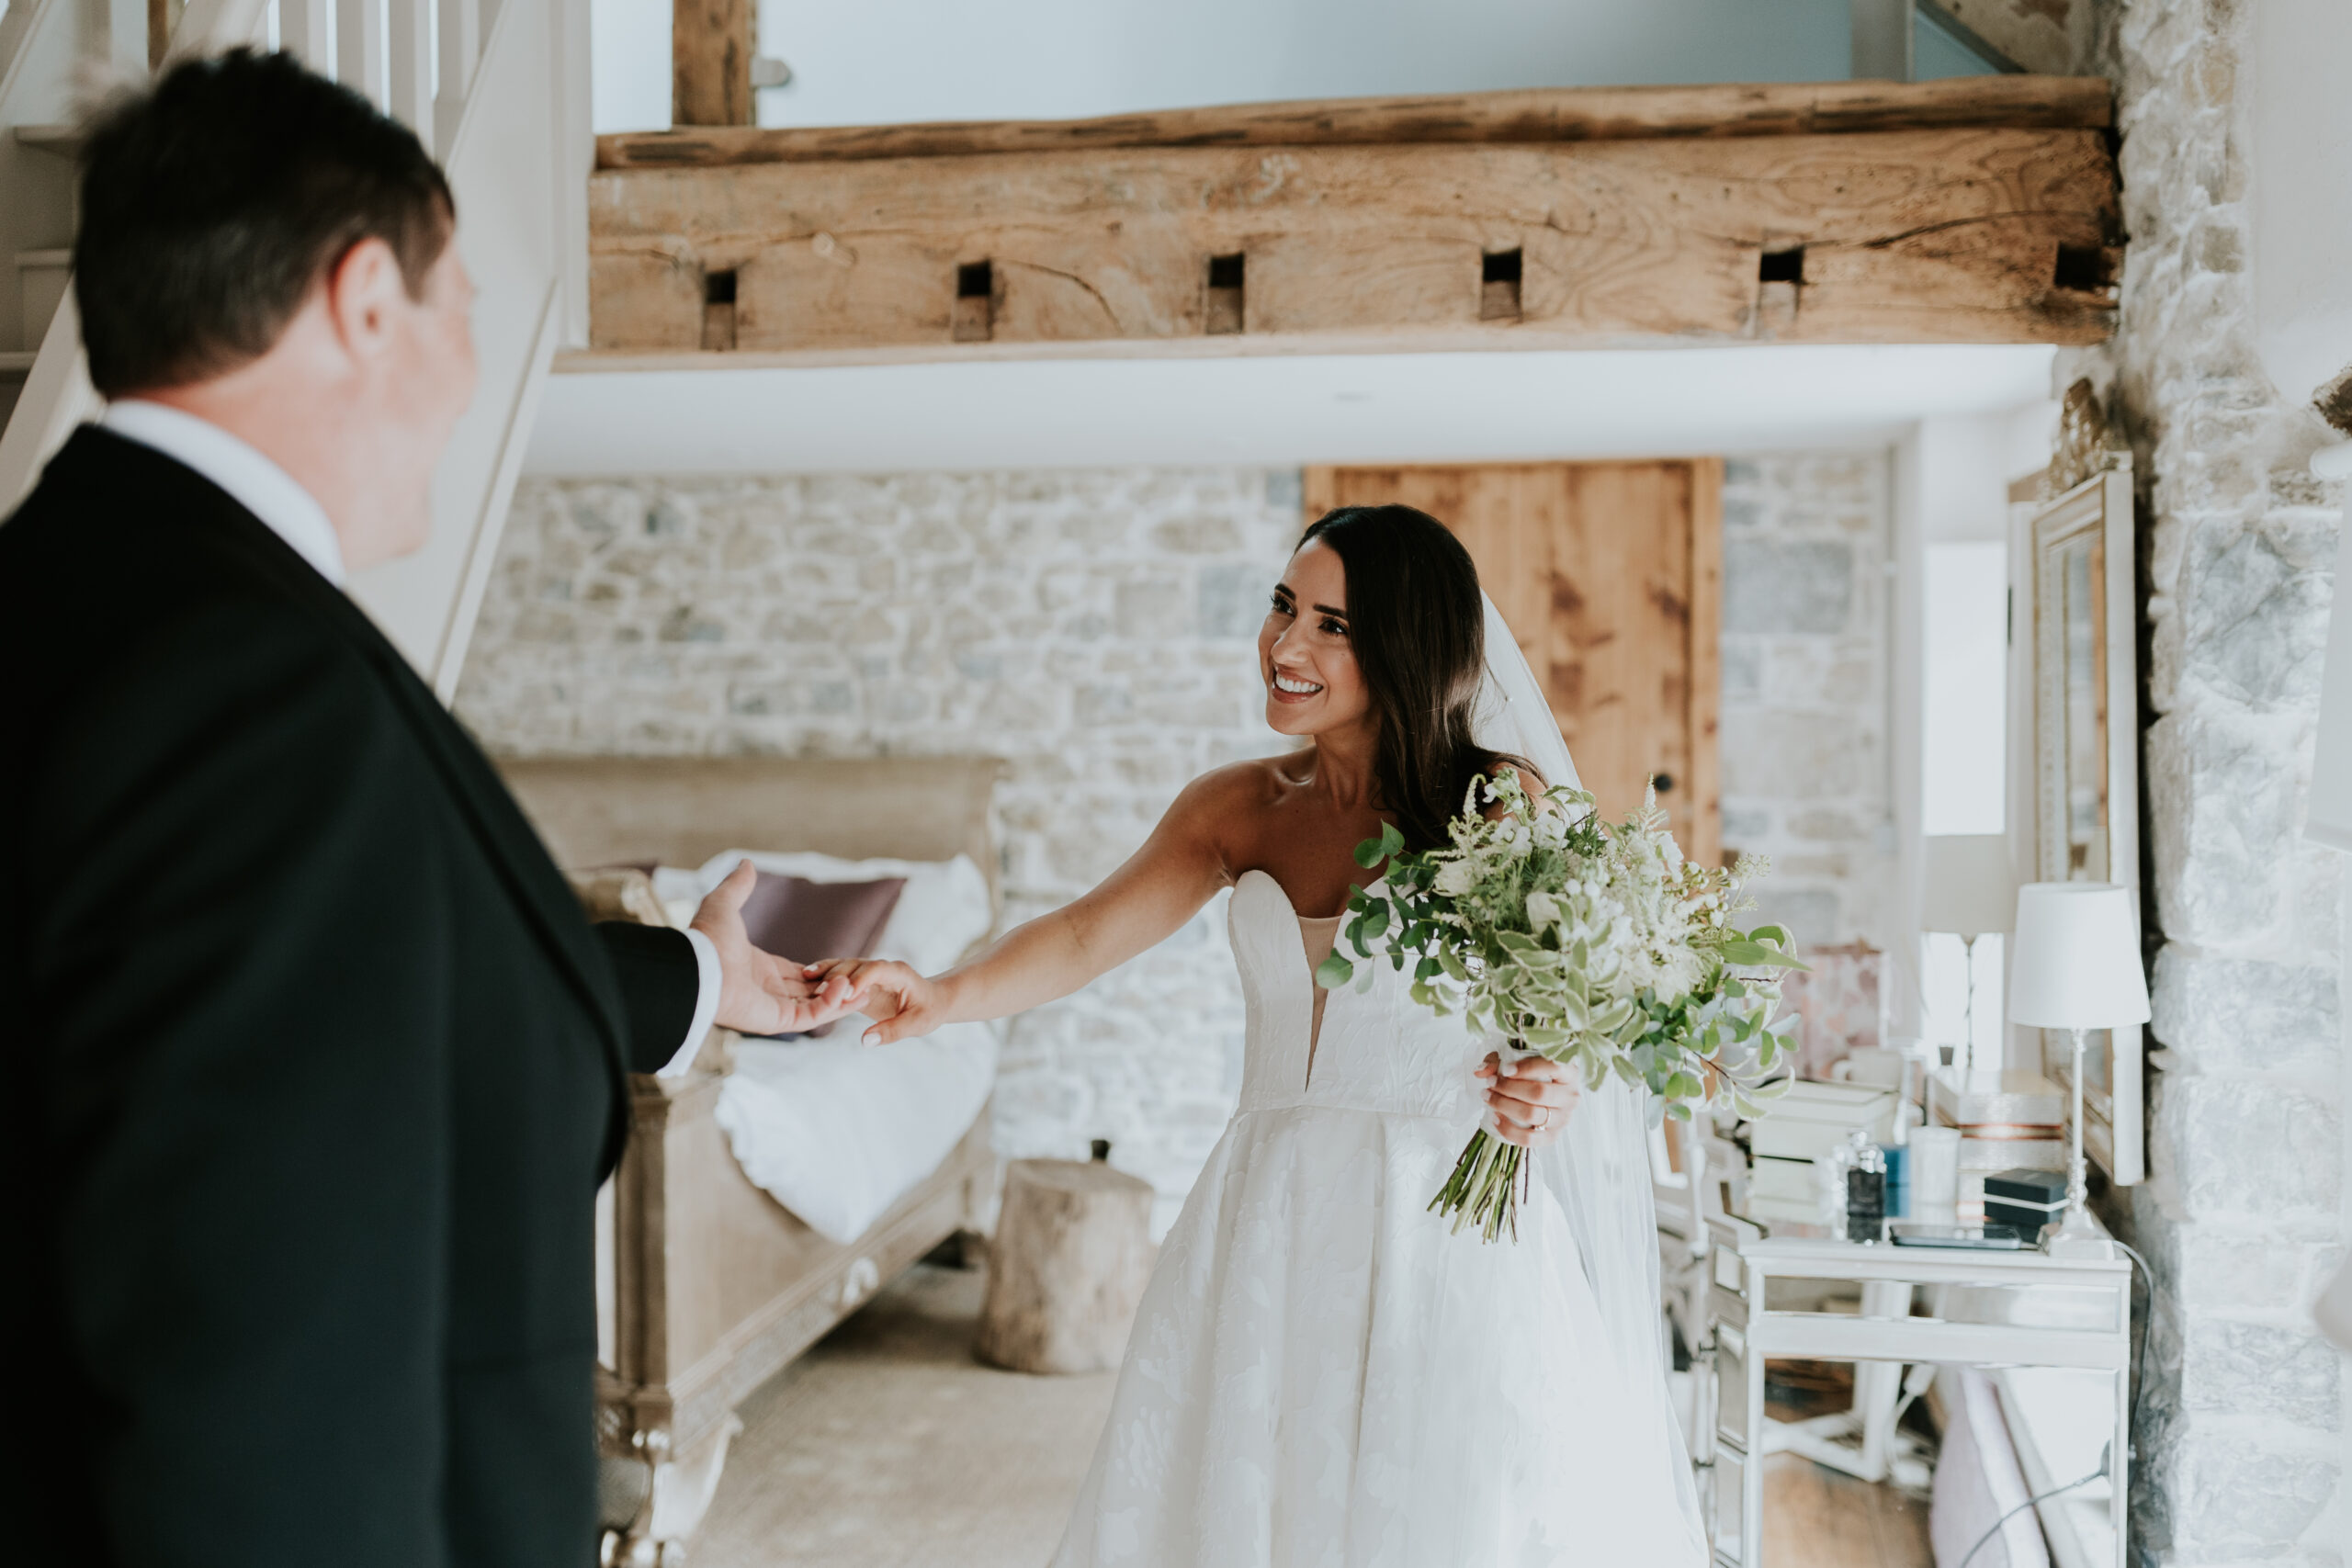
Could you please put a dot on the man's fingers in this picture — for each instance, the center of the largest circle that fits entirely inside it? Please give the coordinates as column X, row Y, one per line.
column 735, row 886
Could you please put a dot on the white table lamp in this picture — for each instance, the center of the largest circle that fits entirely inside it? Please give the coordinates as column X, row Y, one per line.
column 1967, row 890
column 2075, row 965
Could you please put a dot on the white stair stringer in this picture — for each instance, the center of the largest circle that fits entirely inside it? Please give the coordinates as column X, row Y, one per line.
column 517, row 156
column 511, row 168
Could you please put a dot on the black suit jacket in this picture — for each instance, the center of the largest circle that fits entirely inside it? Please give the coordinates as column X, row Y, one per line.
column 314, row 1065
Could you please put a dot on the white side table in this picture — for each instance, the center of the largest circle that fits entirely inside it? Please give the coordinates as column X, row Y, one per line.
column 2009, row 1309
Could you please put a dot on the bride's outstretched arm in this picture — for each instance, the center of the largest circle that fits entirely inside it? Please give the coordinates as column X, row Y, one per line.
column 1162, row 886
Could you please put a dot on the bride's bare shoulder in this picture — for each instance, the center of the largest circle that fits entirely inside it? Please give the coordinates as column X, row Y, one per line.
column 1250, row 784
column 1216, row 818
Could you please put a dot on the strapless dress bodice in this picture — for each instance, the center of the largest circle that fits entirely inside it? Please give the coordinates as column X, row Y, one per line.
column 1377, row 1050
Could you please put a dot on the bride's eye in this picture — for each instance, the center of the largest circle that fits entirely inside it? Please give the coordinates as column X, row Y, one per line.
column 1334, row 627
column 1280, row 605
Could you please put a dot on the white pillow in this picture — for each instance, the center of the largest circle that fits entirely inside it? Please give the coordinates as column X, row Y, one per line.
column 943, row 912
column 838, row 1132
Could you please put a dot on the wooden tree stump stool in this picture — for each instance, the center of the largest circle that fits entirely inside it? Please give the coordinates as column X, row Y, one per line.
column 1072, row 1255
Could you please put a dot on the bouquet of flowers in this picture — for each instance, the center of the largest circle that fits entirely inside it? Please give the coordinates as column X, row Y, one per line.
column 1593, row 944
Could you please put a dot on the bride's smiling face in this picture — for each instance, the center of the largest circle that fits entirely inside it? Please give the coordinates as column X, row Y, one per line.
column 1312, row 682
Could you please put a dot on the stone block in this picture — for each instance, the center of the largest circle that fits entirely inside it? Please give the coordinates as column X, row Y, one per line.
column 2233, row 1492
column 1743, row 667
column 1153, row 607
column 2233, row 1270
column 1233, row 599
column 2253, row 1368
column 2244, row 1015
column 2223, row 791
column 1197, row 536
column 1799, row 587
column 1789, row 754
column 2254, row 609
column 1104, row 705
column 1744, row 825
column 2242, row 1147
column 1812, row 918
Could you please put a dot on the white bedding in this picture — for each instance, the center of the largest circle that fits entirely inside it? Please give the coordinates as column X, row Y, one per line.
column 838, row 1132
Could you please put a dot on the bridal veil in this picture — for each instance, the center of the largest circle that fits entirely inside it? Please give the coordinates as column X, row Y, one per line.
column 1598, row 1170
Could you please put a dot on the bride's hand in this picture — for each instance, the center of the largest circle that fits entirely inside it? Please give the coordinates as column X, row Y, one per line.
column 1532, row 1101
column 900, row 1001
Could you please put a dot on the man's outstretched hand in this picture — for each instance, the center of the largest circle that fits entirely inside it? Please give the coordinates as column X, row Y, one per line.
column 758, row 992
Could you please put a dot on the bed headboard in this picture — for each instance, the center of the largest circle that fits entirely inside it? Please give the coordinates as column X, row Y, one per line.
column 683, row 810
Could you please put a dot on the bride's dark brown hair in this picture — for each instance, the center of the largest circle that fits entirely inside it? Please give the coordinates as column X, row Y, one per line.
column 1418, row 628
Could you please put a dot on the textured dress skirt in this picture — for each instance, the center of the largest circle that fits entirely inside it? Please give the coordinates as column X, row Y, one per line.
column 1321, row 1374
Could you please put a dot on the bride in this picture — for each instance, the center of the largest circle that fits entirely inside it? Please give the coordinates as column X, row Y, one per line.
column 1320, row 1373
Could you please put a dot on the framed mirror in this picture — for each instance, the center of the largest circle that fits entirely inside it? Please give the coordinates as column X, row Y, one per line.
column 2086, row 763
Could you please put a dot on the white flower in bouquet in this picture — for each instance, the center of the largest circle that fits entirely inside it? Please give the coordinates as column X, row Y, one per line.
column 1593, row 944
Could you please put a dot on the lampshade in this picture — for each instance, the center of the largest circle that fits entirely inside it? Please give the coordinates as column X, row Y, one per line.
column 1967, row 889
column 2075, row 962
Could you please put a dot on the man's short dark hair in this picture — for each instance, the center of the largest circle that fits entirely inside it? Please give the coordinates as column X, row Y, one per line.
column 214, row 201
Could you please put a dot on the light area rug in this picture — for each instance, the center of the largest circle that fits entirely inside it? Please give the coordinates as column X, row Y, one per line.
column 888, row 1446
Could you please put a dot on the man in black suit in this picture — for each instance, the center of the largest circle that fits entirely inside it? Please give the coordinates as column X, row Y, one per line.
column 316, row 1063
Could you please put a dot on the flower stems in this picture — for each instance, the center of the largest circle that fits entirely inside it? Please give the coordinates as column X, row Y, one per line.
column 1484, row 1189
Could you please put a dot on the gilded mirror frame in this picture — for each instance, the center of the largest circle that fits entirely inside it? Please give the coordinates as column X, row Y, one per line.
column 2086, row 761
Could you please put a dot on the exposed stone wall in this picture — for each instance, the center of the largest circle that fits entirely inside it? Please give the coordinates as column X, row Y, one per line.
column 1805, row 656
column 1098, row 630
column 2243, row 1441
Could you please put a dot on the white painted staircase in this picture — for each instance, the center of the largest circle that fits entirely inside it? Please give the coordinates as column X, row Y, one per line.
column 497, row 89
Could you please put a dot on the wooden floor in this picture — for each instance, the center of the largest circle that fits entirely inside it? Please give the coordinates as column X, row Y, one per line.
column 1817, row 1517
column 888, row 1447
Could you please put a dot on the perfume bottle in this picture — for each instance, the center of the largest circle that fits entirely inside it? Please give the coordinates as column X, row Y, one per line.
column 1865, row 1165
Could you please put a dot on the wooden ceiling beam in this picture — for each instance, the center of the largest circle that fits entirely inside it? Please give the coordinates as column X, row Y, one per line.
column 1543, row 116
column 710, row 61
column 1974, row 235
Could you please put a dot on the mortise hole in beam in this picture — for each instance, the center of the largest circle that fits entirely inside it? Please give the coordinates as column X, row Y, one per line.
column 1222, row 314
column 1781, row 267
column 719, row 310
column 974, row 319
column 2084, row 269
column 1499, row 273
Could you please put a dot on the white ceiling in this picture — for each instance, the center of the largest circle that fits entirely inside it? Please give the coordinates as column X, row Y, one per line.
column 1360, row 408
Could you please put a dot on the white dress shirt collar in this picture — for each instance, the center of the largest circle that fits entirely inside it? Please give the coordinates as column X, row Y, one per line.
column 260, row 486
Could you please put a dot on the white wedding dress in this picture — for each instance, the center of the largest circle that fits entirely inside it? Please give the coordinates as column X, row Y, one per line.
column 1323, row 1374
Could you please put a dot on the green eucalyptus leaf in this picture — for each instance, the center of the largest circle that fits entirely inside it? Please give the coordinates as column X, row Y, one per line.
column 1334, row 972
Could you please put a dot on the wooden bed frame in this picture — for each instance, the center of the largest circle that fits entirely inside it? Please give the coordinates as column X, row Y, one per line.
column 708, row 1286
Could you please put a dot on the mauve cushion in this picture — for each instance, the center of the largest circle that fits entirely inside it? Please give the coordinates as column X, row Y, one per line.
column 793, row 918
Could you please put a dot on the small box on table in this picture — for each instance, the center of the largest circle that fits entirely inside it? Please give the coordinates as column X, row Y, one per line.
column 2025, row 1199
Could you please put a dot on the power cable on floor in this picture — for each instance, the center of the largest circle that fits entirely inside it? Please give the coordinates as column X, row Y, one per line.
column 2105, row 1457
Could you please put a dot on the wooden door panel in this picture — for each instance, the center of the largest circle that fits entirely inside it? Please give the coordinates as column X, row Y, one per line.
column 1608, row 575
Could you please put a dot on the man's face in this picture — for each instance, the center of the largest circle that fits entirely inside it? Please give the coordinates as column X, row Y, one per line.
column 429, row 381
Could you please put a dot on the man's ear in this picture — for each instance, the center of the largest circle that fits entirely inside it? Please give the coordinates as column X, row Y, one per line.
column 363, row 289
